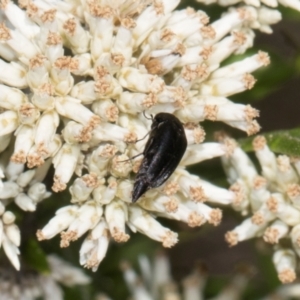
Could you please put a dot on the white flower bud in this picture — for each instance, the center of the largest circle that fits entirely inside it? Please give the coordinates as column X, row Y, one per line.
column 8, row 122
column 266, row 157
column 242, row 164
column 25, row 202
column 106, row 86
column 85, row 91
column 185, row 27
column 7, row 53
column 11, row 98
column 65, row 163
column 12, row 231
column 140, row 220
column 178, row 209
column 135, row 102
column 8, row 218
column 53, row 147
column 77, row 37
column 11, row 251
column 136, row 81
column 82, row 65
column 42, row 171
column 123, row 43
column 13, row 74
column 28, row 114
column 239, row 41
column 94, row 248
column 88, row 215
column 25, row 178
column 61, row 77
column 116, row 215
column 24, row 141
column 247, row 65
column 61, row 221
column 146, row 21
column 275, row 232
column 200, row 190
column 101, row 30
column 285, row 174
column 231, row 20
column 13, row 170
column 83, row 187
column 15, row 39
column 259, row 193
column 53, row 46
column 43, row 97
column 70, row 108
column 37, row 75
column 20, row 20
column 246, row 230
column 105, row 194
column 38, row 192
column 9, row 190
column 284, row 210
column 106, row 110
column 120, row 166
column 198, row 153
column 265, row 213
column 285, row 264
column 124, row 190
column 45, row 131
column 227, row 86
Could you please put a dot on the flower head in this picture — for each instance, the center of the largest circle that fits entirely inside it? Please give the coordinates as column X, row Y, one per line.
column 34, row 285
column 156, row 281
column 272, row 200
column 77, row 77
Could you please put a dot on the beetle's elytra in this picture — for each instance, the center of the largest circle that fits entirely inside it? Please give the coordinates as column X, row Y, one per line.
column 162, row 154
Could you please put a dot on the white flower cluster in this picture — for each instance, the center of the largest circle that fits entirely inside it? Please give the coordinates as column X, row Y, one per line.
column 272, row 199
column 154, row 281
column 10, row 236
column 30, row 284
column 76, row 77
column 25, row 189
column 267, row 14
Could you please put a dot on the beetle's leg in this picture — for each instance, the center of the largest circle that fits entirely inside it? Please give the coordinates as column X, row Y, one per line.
column 131, row 158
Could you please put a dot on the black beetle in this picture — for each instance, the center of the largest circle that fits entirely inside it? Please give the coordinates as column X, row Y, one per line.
column 162, row 154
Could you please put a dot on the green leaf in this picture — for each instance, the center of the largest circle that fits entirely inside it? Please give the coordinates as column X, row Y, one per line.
column 35, row 256
column 283, row 141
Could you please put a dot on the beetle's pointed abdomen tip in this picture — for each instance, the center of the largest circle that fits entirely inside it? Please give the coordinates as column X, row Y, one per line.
column 139, row 189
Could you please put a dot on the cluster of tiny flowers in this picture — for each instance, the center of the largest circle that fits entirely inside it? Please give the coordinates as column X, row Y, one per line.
column 272, row 199
column 156, row 282
column 25, row 189
column 76, row 78
column 30, row 284
column 265, row 8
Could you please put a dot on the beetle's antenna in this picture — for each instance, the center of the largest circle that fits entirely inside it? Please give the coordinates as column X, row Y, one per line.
column 151, row 116
column 131, row 158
